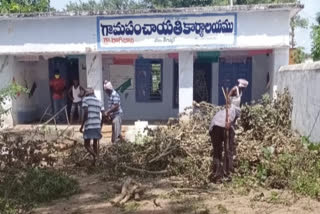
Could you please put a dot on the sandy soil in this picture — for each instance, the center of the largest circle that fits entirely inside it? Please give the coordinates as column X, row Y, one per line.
column 164, row 197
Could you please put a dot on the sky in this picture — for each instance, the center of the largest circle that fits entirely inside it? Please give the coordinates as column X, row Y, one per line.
column 311, row 7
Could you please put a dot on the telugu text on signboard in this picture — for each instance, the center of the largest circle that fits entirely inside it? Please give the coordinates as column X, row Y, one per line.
column 167, row 31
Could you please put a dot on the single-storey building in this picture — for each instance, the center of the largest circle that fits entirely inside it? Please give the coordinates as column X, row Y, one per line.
column 160, row 61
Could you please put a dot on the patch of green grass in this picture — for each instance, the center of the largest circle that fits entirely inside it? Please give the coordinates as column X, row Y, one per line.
column 130, row 207
column 8, row 207
column 189, row 205
column 274, row 198
column 33, row 186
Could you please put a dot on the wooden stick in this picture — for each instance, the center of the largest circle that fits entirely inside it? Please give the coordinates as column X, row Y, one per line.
column 227, row 145
column 54, row 116
column 224, row 93
column 146, row 171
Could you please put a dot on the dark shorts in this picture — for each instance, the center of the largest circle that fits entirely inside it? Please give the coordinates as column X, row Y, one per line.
column 92, row 134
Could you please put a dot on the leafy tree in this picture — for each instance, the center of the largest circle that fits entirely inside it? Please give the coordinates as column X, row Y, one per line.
column 263, row 1
column 299, row 55
column 93, row 5
column 24, row 6
column 193, row 3
column 316, row 39
column 296, row 21
column 181, row 3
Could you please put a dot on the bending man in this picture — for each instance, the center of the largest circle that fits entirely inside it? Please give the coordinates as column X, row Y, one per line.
column 218, row 128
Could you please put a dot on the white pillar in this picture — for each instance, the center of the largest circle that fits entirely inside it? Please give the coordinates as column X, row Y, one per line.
column 94, row 74
column 185, row 80
column 280, row 58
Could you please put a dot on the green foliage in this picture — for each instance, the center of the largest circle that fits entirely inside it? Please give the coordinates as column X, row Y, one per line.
column 28, row 188
column 267, row 113
column 264, row 1
column 93, row 5
column 296, row 21
column 23, row 6
column 270, row 155
column 8, row 207
column 316, row 40
column 299, row 171
column 7, row 93
column 180, row 3
column 299, row 55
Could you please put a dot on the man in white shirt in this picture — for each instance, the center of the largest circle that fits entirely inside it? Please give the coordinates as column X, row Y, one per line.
column 217, row 131
column 75, row 94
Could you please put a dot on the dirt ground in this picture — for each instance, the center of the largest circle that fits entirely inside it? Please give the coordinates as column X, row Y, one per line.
column 167, row 196
column 163, row 196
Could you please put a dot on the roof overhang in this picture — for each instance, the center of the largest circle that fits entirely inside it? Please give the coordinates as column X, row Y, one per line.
column 293, row 8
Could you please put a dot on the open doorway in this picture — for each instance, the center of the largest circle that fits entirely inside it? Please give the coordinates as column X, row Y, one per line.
column 202, row 82
column 69, row 70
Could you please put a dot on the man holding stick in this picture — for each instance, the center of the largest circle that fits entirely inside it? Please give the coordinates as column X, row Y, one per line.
column 221, row 132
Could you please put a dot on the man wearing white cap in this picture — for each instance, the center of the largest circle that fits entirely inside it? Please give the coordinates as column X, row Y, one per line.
column 114, row 112
column 236, row 92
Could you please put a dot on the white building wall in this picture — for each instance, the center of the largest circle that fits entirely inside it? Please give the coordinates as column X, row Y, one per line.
column 150, row 110
column 70, row 35
column 6, row 75
column 280, row 58
column 76, row 35
column 29, row 109
column 185, row 80
column 263, row 29
column 94, row 74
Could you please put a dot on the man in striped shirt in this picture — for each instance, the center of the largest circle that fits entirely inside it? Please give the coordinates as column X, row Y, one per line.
column 114, row 112
column 92, row 109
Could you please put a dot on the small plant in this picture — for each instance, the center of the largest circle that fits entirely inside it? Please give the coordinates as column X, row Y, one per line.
column 274, row 198
column 131, row 207
column 222, row 209
column 7, row 93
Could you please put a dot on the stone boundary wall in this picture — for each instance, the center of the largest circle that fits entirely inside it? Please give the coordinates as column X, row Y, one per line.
column 303, row 82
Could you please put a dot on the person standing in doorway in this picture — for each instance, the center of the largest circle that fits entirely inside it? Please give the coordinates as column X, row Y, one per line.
column 57, row 87
column 75, row 94
column 91, row 123
column 114, row 112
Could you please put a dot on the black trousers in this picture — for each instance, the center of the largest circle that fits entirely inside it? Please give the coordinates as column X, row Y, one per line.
column 218, row 140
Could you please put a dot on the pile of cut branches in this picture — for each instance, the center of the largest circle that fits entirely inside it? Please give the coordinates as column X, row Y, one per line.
column 183, row 147
column 39, row 147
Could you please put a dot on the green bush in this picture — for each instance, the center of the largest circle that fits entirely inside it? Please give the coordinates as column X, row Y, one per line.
column 33, row 186
column 8, row 207
column 7, row 93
